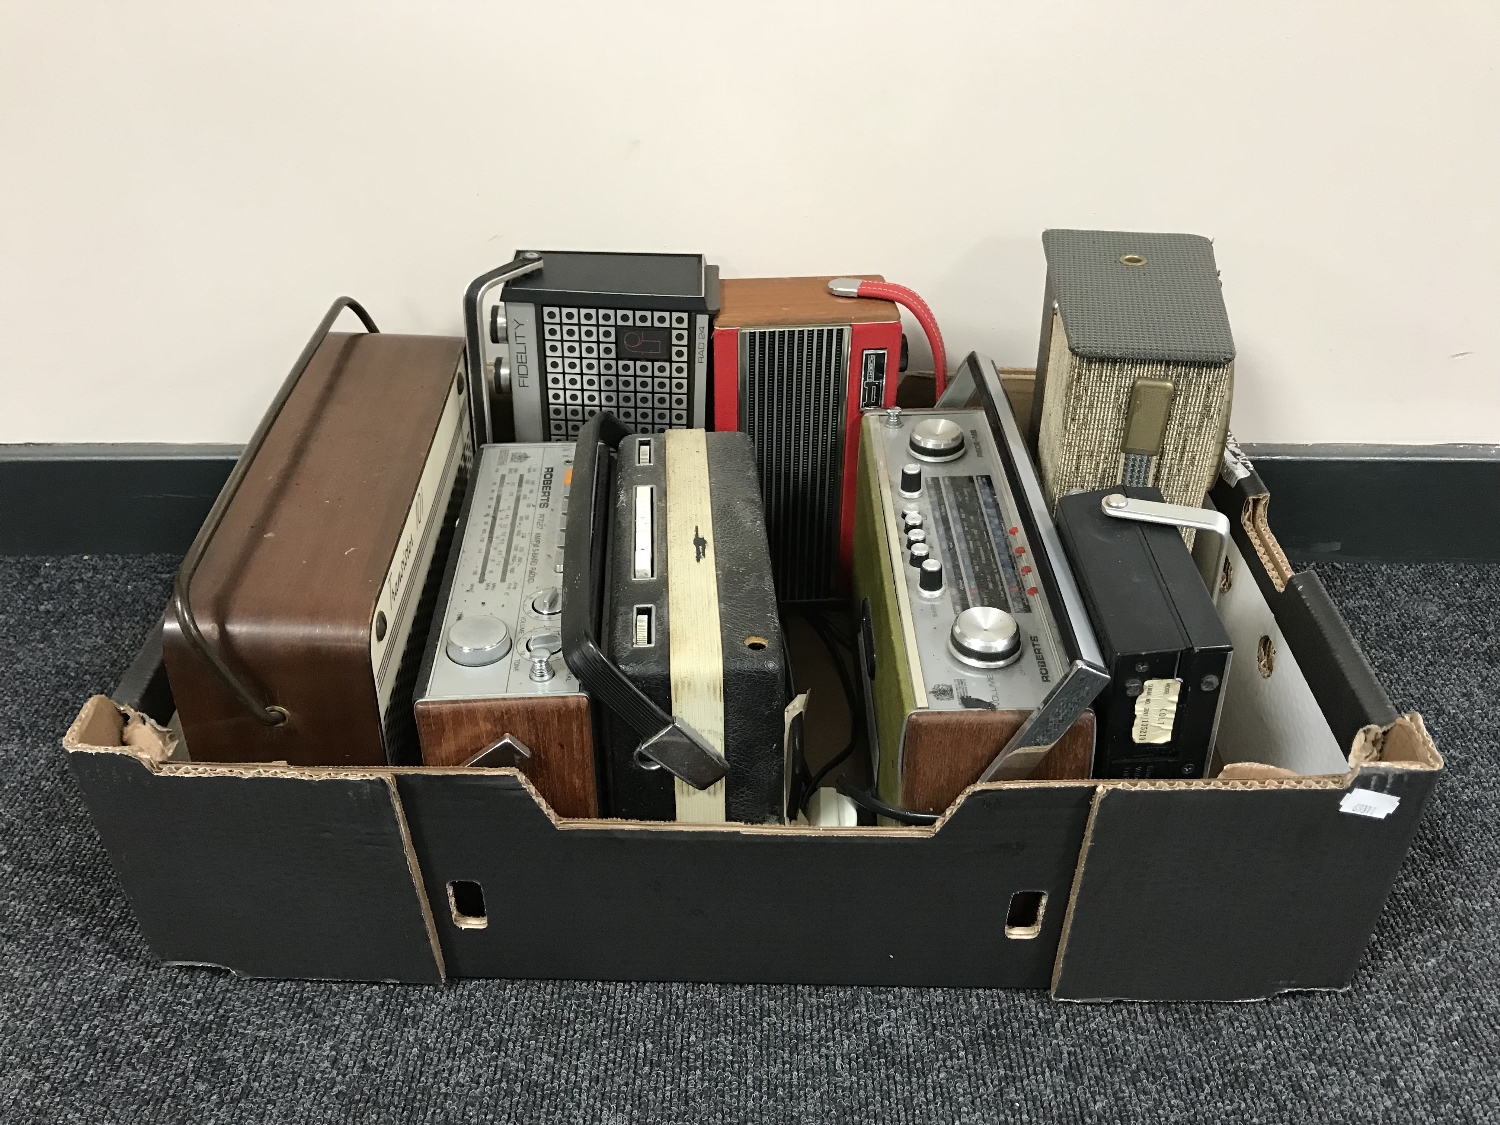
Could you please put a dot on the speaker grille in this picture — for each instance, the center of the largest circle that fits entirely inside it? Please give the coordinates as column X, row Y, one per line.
column 792, row 387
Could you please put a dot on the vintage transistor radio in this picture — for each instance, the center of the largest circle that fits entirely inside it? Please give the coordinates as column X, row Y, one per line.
column 1165, row 647
column 296, row 626
column 794, row 367
column 670, row 622
column 978, row 656
column 493, row 687
column 556, row 336
column 1135, row 372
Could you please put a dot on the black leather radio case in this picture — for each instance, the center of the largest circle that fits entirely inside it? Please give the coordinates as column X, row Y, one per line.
column 756, row 682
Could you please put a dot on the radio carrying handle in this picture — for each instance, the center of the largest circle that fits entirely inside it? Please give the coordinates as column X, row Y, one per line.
column 268, row 713
column 528, row 261
column 1121, row 507
column 670, row 742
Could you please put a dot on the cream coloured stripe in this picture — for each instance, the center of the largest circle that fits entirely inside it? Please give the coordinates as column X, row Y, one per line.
column 695, row 653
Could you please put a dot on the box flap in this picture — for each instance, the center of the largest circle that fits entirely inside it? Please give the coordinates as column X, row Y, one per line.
column 265, row 870
column 1240, row 890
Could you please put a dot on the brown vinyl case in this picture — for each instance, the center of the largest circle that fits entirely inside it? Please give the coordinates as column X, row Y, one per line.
column 318, row 574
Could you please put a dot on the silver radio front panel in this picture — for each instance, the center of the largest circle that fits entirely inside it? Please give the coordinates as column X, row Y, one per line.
column 973, row 529
column 509, row 570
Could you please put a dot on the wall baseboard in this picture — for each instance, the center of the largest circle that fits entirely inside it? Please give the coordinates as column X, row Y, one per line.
column 1352, row 503
column 107, row 499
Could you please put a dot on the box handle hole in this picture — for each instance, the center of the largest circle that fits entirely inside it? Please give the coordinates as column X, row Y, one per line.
column 466, row 900
column 1024, row 919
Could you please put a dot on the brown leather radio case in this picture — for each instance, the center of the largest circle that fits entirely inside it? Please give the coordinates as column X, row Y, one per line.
column 312, row 586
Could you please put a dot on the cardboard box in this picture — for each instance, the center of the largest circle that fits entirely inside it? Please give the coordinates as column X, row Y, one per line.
column 1265, row 879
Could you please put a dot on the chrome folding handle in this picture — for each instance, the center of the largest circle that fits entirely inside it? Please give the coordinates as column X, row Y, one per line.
column 1121, row 507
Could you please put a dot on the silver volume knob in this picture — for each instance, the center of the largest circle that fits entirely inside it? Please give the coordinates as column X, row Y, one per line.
column 985, row 637
column 477, row 641
column 937, row 439
column 911, row 480
column 549, row 602
column 915, row 535
column 911, row 518
column 919, row 554
column 930, row 579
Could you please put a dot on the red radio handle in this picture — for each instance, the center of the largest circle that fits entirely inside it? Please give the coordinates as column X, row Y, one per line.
column 907, row 299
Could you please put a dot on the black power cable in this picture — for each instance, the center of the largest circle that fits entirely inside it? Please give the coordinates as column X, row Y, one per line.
column 829, row 636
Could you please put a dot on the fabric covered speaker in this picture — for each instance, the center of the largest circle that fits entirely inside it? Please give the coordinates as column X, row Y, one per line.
column 1135, row 373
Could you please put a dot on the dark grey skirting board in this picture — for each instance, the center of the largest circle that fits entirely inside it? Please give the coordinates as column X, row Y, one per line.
column 1352, row 503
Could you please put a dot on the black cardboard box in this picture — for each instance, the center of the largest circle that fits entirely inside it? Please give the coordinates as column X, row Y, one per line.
column 1265, row 879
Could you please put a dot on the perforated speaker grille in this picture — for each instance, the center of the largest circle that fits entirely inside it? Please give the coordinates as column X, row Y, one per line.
column 792, row 387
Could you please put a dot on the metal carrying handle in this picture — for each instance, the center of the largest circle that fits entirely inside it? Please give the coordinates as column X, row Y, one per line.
column 1121, row 507
column 268, row 713
column 670, row 742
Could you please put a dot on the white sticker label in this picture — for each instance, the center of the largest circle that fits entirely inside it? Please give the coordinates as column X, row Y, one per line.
column 1156, row 711
column 1367, row 802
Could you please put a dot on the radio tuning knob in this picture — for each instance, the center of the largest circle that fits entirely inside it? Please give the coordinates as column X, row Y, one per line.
column 985, row 637
column 937, row 439
column 477, row 641
column 930, row 579
column 919, row 554
column 911, row 480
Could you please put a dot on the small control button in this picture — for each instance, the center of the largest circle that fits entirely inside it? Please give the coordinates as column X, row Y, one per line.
column 477, row 641
column 985, row 637
column 548, row 602
column 911, row 480
column 541, row 647
column 930, row 579
column 915, row 535
column 937, row 439
column 919, row 554
column 912, row 519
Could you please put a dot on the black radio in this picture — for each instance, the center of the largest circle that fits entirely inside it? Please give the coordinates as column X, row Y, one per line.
column 669, row 621
column 556, row 336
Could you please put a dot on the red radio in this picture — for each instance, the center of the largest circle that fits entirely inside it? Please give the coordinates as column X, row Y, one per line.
column 794, row 367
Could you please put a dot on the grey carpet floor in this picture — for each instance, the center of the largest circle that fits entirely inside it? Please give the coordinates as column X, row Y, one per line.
column 93, row 1030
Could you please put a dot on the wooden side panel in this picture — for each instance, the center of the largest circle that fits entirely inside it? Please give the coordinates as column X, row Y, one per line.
column 946, row 751
column 771, row 302
column 556, row 730
column 705, row 903
column 271, row 876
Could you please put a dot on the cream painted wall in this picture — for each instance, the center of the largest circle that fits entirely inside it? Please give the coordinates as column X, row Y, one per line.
column 185, row 186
